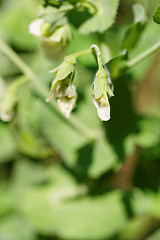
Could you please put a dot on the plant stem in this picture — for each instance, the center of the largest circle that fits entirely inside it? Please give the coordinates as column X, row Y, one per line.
column 143, row 55
column 43, row 91
column 97, row 54
column 81, row 53
column 23, row 66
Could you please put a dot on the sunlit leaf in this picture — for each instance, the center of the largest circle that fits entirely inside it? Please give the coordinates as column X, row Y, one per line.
column 103, row 18
column 156, row 15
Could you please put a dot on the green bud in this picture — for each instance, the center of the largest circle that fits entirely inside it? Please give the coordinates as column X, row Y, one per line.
column 53, row 42
column 55, row 45
column 100, row 92
column 62, row 86
column 45, row 29
column 9, row 100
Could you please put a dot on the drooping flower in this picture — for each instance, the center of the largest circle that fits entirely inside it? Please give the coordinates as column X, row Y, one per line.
column 100, row 92
column 54, row 41
column 62, row 86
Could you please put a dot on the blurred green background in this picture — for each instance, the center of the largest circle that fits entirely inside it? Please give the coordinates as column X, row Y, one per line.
column 58, row 182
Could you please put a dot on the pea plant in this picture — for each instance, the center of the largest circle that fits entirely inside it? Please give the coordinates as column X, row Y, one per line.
column 79, row 119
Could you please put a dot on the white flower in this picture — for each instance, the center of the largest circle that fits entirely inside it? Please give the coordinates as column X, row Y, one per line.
column 35, row 27
column 100, row 92
column 62, row 87
column 103, row 107
column 53, row 42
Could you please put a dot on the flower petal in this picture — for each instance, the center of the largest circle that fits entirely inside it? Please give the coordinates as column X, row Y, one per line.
column 66, row 105
column 34, row 27
column 104, row 112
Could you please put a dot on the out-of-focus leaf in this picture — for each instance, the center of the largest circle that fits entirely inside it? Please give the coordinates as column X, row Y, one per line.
column 8, row 146
column 103, row 18
column 25, row 174
column 7, row 68
column 6, row 203
column 60, row 134
column 14, row 228
column 50, row 14
column 14, row 21
column 149, row 135
column 156, row 15
column 154, row 236
column 32, row 146
column 117, row 65
column 129, row 144
column 84, row 218
column 86, row 42
column 104, row 158
column 137, row 228
column 86, row 106
column 134, row 31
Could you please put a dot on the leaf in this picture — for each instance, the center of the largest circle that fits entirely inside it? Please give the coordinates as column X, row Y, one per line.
column 149, row 135
column 102, row 19
column 134, row 31
column 136, row 228
column 85, row 218
column 8, row 146
column 117, row 65
column 154, row 236
column 15, row 228
column 59, row 133
column 156, row 15
column 14, row 24
column 104, row 158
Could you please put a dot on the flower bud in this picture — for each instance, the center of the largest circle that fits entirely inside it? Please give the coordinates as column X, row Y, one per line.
column 100, row 92
column 9, row 99
column 62, row 86
column 53, row 42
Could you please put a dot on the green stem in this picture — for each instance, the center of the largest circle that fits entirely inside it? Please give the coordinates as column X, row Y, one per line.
column 43, row 91
column 23, row 66
column 97, row 54
column 143, row 55
column 81, row 53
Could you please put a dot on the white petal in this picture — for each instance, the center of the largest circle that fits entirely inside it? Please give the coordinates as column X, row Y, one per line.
column 6, row 117
column 104, row 113
column 34, row 27
column 66, row 106
column 57, row 35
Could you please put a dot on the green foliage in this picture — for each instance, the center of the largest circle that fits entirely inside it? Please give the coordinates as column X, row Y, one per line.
column 156, row 16
column 103, row 19
column 134, row 31
column 79, row 178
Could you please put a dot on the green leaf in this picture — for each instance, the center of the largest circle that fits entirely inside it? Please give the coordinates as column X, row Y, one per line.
column 104, row 158
column 154, row 236
column 59, row 133
column 15, row 19
column 85, row 218
column 15, row 228
column 8, row 146
column 149, row 135
column 136, row 228
column 156, row 15
column 134, row 31
column 102, row 19
column 117, row 65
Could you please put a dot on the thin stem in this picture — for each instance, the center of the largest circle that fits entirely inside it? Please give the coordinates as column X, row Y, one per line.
column 143, row 55
column 43, row 91
column 23, row 66
column 97, row 53
column 81, row 53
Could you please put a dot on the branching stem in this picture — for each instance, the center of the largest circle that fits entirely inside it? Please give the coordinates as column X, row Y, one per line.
column 143, row 55
column 43, row 91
